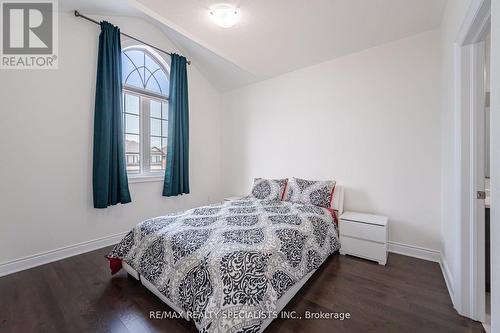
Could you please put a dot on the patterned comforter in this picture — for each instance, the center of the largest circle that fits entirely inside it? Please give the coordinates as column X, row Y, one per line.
column 238, row 257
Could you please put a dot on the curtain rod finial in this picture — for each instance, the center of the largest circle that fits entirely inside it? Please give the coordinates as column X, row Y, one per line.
column 77, row 13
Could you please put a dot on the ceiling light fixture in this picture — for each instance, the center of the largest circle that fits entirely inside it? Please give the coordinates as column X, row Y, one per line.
column 224, row 15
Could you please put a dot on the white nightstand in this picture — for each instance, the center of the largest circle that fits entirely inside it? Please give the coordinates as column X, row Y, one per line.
column 364, row 235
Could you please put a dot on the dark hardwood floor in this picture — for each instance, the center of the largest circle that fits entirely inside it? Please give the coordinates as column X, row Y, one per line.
column 79, row 295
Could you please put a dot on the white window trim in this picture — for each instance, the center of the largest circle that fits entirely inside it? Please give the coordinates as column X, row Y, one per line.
column 138, row 178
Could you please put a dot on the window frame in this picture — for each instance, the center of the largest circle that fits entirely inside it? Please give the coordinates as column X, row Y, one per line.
column 145, row 97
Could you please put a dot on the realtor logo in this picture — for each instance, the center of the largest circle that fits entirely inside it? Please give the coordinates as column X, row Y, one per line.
column 29, row 34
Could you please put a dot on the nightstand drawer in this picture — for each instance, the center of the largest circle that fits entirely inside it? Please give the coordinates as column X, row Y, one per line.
column 363, row 248
column 361, row 230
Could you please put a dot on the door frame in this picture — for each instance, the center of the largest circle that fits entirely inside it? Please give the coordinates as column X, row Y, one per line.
column 469, row 129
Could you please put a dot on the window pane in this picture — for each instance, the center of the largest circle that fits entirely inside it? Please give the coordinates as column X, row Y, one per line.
column 155, row 127
column 137, row 57
column 132, row 153
column 164, row 110
column 156, row 163
column 152, row 85
column 133, row 165
column 164, row 128
column 127, row 67
column 164, row 151
column 155, row 109
column 164, row 145
column 131, row 124
column 151, row 64
column 135, row 79
column 156, row 154
column 132, row 143
column 162, row 81
column 131, row 104
column 155, row 144
column 142, row 70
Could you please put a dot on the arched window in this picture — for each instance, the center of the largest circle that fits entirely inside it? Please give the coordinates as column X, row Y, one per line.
column 145, row 110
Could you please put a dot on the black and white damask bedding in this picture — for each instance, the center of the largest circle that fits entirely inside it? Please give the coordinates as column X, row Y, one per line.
column 268, row 189
column 227, row 265
column 310, row 192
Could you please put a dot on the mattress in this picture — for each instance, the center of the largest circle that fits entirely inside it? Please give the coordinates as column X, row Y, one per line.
column 243, row 257
column 282, row 302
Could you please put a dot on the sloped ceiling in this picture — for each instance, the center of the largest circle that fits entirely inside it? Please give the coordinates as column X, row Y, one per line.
column 274, row 36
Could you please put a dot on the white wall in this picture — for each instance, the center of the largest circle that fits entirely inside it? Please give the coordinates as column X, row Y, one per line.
column 370, row 120
column 450, row 225
column 46, row 149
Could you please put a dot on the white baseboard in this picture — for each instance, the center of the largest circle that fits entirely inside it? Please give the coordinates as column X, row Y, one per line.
column 447, row 279
column 415, row 251
column 73, row 250
column 17, row 265
column 426, row 254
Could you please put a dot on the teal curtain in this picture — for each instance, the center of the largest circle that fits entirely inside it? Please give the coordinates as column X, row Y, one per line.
column 177, row 169
column 110, row 183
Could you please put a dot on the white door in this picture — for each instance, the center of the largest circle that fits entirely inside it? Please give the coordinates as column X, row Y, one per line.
column 478, row 168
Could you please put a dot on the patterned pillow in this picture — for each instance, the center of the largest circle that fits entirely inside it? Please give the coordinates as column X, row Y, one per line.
column 268, row 189
column 318, row 193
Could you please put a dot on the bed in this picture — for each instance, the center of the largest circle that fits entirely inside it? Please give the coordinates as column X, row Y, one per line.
column 232, row 266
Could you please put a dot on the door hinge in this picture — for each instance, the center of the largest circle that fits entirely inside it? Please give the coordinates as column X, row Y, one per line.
column 481, row 195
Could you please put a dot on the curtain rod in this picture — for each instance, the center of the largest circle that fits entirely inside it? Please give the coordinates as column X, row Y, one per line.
column 77, row 14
